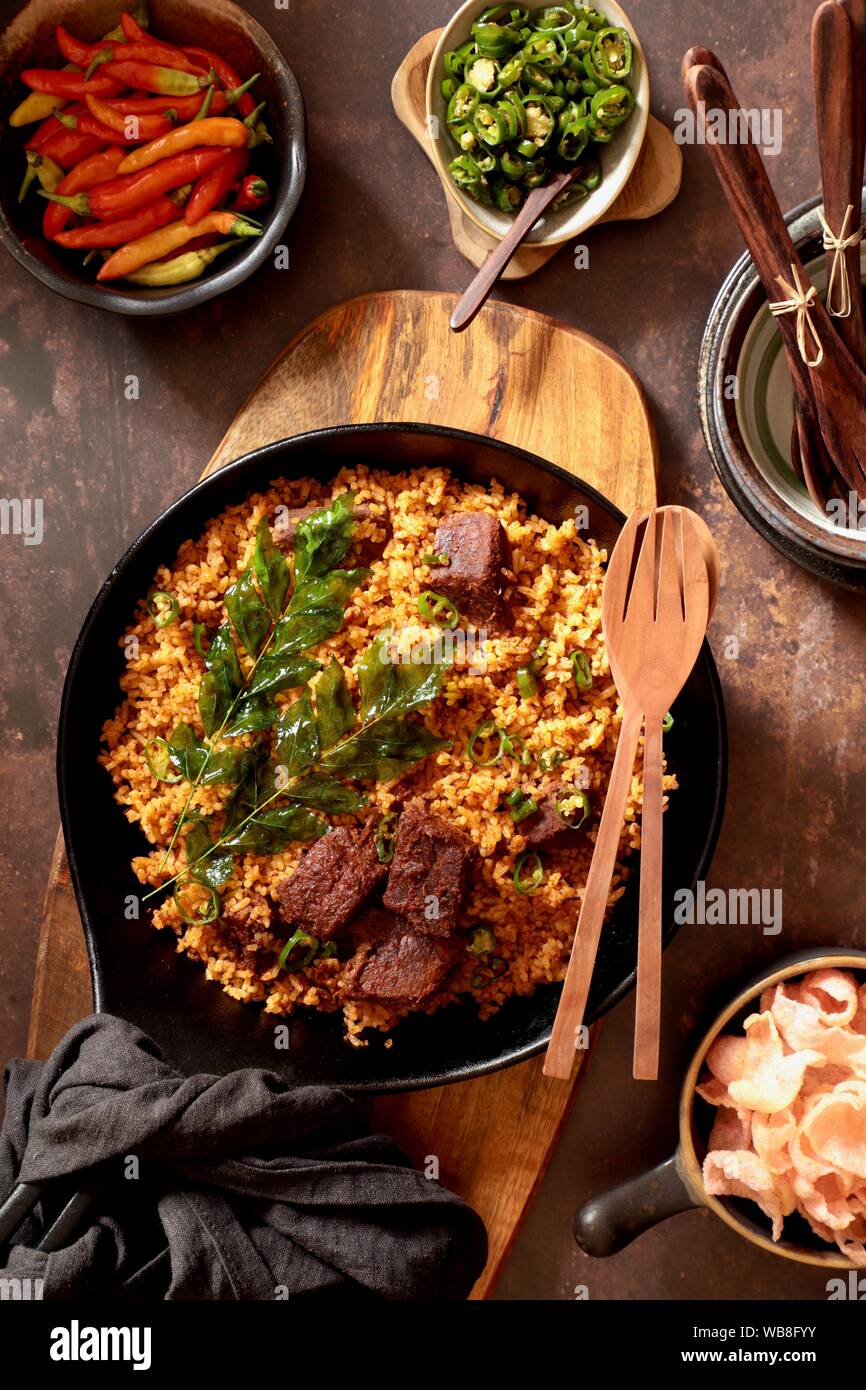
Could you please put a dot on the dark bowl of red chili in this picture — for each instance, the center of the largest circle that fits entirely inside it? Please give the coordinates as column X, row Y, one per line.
column 218, row 25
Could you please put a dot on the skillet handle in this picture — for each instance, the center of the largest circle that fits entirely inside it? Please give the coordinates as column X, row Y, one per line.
column 608, row 1223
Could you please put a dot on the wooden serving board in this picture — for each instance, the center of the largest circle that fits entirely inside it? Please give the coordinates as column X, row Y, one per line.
column 519, row 377
column 653, row 185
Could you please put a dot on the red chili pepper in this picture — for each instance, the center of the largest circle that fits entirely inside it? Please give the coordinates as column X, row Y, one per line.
column 198, row 243
column 122, row 195
column 97, row 169
column 223, row 132
column 51, row 126
column 186, row 107
column 150, row 77
column 156, row 245
column 161, row 54
column 133, row 33
column 211, row 189
column 226, row 74
column 70, row 84
column 130, row 126
column 75, row 50
column 147, row 219
column 254, row 193
column 87, row 124
column 68, row 147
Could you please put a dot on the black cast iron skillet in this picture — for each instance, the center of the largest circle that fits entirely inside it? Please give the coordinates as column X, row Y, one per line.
column 136, row 970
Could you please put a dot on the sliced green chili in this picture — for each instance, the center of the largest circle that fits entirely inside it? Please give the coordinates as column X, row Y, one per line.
column 481, row 941
column 549, row 758
column 520, row 805
column 434, row 559
column 158, row 759
column 667, row 723
column 205, row 909
column 495, row 40
column 527, row 885
column 386, row 837
column 612, row 53
column 522, row 85
column 582, row 670
column 515, row 746
column 526, row 683
column 610, row 107
column 299, row 938
column 489, row 729
column 553, row 19
column 162, row 607
column 487, row 124
column 435, row 608
column 462, row 104
column 573, row 818
column 482, row 73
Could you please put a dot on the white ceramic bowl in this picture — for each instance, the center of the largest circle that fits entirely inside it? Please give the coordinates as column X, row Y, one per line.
column 618, row 158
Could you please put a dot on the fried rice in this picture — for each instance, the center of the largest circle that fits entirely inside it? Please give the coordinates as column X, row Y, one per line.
column 555, row 595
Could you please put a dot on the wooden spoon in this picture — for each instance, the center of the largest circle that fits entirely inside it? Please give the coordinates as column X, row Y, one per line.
column 666, row 622
column 536, row 203
column 837, row 384
column 837, row 77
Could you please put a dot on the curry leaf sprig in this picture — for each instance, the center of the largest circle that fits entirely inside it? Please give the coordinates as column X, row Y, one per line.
column 275, row 630
column 316, row 747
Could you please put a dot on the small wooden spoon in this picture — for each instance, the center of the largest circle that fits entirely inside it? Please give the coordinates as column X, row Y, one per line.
column 838, row 386
column 536, row 203
column 837, row 77
column 669, row 607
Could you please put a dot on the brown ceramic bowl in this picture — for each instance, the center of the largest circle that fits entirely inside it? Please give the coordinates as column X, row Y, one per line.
column 606, row 1224
column 28, row 41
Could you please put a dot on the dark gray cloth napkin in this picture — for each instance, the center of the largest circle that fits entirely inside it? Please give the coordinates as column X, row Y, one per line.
column 219, row 1187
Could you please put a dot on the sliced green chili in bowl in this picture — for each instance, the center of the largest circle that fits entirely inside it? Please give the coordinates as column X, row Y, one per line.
column 539, row 91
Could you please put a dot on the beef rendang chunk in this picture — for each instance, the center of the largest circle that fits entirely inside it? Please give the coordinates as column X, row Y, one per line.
column 394, row 964
column 332, row 881
column 546, row 828
column 478, row 552
column 430, row 871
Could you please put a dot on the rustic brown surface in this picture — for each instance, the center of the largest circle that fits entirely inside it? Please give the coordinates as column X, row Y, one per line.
column 106, row 465
column 344, row 367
